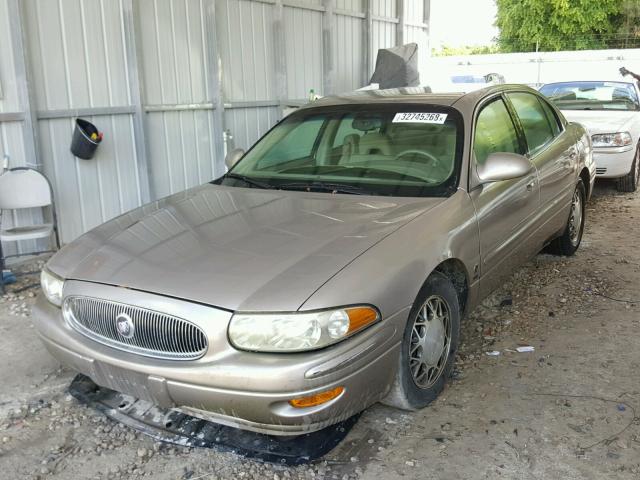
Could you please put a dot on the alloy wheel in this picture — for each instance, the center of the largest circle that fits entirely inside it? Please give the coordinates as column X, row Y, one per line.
column 430, row 342
column 575, row 220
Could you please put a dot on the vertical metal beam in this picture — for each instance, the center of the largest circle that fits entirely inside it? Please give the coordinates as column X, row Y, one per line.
column 427, row 21
column 280, row 55
column 25, row 93
column 367, row 41
column 133, row 51
column 215, row 85
column 402, row 19
column 328, row 36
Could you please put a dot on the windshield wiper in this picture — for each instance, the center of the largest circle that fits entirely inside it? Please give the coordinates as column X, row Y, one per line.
column 328, row 187
column 249, row 180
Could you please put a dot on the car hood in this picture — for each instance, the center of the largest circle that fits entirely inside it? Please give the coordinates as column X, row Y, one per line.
column 236, row 248
column 599, row 121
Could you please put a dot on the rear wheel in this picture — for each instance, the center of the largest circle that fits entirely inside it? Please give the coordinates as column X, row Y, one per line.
column 570, row 240
column 429, row 344
column 629, row 183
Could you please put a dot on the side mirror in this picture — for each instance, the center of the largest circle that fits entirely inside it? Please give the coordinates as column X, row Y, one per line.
column 233, row 156
column 503, row 166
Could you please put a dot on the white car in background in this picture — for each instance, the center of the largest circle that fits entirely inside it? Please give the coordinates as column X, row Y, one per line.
column 611, row 113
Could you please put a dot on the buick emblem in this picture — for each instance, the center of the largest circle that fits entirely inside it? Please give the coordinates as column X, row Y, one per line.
column 124, row 325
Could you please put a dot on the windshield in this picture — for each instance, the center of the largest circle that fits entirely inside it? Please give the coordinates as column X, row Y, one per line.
column 399, row 150
column 592, row 95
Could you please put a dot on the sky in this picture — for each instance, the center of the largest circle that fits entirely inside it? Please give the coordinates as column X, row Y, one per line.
column 458, row 23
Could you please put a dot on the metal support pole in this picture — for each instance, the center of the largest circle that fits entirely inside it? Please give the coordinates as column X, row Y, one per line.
column 25, row 93
column 133, row 50
column 367, row 41
column 280, row 57
column 215, row 84
column 328, row 36
column 427, row 21
column 401, row 14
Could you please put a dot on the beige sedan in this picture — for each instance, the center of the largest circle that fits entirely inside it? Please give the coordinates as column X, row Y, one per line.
column 331, row 267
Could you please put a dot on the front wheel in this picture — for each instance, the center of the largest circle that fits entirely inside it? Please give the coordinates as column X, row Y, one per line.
column 629, row 183
column 429, row 344
column 570, row 240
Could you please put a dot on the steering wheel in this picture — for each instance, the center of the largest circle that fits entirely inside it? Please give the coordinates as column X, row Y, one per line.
column 420, row 153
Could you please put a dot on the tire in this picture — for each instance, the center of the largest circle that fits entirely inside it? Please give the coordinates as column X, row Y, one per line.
column 418, row 384
column 629, row 183
column 570, row 240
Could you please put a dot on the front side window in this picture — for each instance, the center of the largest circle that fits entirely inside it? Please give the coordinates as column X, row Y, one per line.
column 534, row 120
column 592, row 95
column 402, row 150
column 495, row 132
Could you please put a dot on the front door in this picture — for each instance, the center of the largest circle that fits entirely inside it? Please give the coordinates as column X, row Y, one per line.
column 506, row 209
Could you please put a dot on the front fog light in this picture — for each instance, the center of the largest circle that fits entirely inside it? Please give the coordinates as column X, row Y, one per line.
column 52, row 286
column 298, row 331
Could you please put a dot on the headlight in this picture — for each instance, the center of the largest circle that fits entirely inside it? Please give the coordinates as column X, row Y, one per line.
column 52, row 287
column 620, row 139
column 296, row 332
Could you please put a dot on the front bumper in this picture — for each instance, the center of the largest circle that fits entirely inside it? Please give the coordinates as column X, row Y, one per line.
column 613, row 162
column 239, row 389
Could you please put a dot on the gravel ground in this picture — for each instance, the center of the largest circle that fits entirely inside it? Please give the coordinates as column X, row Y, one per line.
column 569, row 409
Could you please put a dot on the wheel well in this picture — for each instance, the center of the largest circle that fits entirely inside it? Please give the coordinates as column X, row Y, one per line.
column 455, row 271
column 586, row 179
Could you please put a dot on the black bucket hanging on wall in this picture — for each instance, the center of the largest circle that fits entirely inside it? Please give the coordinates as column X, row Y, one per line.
column 86, row 139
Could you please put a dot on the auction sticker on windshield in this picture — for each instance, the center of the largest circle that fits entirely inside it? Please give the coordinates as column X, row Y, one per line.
column 419, row 117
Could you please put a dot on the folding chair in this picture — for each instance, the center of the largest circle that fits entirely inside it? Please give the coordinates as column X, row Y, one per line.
column 20, row 188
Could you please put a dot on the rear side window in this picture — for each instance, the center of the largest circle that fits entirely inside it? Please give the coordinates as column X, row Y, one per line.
column 551, row 115
column 534, row 120
column 495, row 132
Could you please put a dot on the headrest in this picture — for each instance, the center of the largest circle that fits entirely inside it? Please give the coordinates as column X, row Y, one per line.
column 366, row 123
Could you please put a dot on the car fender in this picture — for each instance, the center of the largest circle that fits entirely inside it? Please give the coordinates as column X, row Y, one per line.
column 390, row 274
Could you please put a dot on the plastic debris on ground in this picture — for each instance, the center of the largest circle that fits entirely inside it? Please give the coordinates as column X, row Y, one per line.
column 524, row 349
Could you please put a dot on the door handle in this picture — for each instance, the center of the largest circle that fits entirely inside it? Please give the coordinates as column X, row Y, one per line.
column 530, row 185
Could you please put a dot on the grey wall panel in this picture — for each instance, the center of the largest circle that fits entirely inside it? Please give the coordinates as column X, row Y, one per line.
column 89, row 192
column 181, row 151
column 383, row 35
column 303, row 34
column 349, row 61
column 8, row 81
column 245, row 32
column 76, row 53
column 173, row 51
column 384, row 8
column 350, row 5
column 180, row 143
column 249, row 124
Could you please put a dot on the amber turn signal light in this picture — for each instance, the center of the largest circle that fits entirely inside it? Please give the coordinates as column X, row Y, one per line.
column 316, row 399
column 360, row 317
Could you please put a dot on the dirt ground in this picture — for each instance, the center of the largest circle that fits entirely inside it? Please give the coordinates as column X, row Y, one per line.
column 570, row 409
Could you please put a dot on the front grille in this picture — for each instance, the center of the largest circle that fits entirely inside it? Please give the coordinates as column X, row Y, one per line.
column 601, row 171
column 153, row 334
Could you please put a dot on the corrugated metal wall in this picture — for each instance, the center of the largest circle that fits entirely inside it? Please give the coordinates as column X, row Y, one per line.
column 164, row 78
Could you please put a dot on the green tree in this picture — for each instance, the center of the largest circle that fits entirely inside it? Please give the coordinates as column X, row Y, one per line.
column 558, row 24
column 630, row 20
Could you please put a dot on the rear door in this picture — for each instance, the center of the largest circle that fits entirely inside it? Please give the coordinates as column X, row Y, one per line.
column 504, row 209
column 552, row 150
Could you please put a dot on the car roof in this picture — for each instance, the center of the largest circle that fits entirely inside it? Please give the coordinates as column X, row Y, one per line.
column 415, row 95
